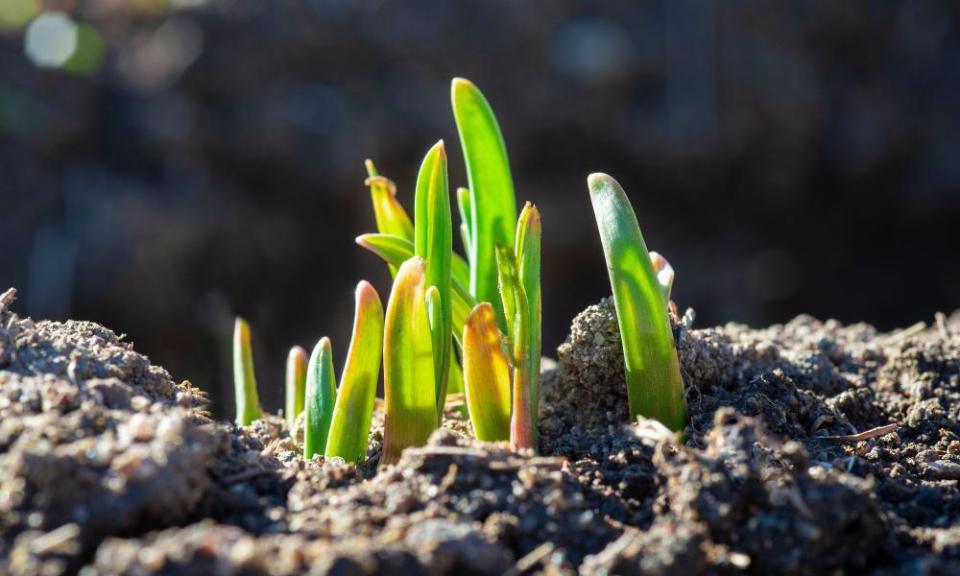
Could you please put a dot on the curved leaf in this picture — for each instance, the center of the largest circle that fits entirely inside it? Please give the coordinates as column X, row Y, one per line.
column 493, row 209
column 353, row 410
column 654, row 384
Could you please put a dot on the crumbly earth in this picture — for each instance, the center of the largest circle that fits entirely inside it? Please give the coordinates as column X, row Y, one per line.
column 811, row 448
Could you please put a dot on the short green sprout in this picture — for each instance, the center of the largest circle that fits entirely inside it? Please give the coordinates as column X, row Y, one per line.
column 338, row 421
column 353, row 411
column 321, row 395
column 296, row 384
column 244, row 379
column 654, row 384
column 486, row 374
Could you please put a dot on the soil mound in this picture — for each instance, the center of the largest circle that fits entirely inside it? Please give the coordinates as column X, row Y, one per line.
column 811, row 448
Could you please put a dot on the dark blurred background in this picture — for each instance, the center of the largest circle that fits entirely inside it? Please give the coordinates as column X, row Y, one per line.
column 165, row 164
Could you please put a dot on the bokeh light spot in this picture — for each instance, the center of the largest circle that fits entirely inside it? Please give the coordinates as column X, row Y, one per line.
column 51, row 40
column 88, row 55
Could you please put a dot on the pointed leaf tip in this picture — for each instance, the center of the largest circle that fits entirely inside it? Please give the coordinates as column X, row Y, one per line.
column 598, row 180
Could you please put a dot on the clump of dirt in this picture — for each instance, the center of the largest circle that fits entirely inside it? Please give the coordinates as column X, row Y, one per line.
column 810, row 448
column 95, row 442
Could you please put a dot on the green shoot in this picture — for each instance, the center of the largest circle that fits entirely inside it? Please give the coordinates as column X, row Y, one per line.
column 434, row 244
column 411, row 406
column 296, row 384
column 654, row 384
column 389, row 213
column 352, row 413
column 526, row 381
column 486, row 374
column 244, row 378
column 321, row 394
column 492, row 204
column 487, row 378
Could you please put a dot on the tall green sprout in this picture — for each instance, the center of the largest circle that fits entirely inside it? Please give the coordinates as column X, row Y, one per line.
column 411, row 405
column 492, row 208
column 244, row 378
column 486, row 378
column 654, row 384
column 433, row 242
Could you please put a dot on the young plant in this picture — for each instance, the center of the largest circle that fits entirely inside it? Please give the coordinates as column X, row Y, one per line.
column 486, row 374
column 338, row 422
column 411, row 406
column 654, row 384
column 244, row 379
column 296, row 384
column 486, row 377
column 433, row 242
column 321, row 396
column 353, row 410
column 489, row 207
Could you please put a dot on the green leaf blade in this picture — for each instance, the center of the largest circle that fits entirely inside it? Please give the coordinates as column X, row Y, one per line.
column 408, row 368
column 389, row 213
column 654, row 383
column 353, row 410
column 493, row 209
column 433, row 226
column 244, row 376
column 321, row 396
column 526, row 384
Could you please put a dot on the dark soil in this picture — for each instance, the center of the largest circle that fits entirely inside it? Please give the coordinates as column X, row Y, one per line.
column 811, row 448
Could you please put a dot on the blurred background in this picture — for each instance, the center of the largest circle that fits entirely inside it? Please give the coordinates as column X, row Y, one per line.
column 165, row 164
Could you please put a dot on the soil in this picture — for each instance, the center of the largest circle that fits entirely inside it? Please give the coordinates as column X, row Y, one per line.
column 811, row 448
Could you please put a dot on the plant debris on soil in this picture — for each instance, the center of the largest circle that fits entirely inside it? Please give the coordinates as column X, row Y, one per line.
column 810, row 448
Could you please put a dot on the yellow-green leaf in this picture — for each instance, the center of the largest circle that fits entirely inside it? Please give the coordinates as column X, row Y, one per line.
column 244, row 378
column 409, row 388
column 296, row 384
column 486, row 375
column 353, row 411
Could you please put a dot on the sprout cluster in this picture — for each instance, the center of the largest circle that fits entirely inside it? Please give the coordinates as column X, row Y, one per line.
column 467, row 325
